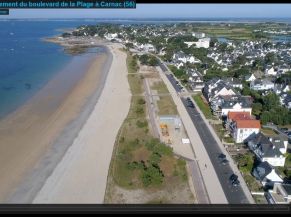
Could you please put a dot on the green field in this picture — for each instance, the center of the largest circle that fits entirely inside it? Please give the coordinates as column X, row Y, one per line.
column 203, row 106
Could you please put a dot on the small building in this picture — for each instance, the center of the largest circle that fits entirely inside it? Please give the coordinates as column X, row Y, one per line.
column 280, row 194
column 266, row 174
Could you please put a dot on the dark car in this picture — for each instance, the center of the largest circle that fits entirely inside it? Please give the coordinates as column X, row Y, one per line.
column 190, row 104
column 188, row 99
column 221, row 156
column 233, row 177
column 235, row 183
column 224, row 162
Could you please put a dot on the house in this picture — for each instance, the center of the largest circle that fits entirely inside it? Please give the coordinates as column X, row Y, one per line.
column 234, row 82
column 235, row 103
column 250, row 77
column 280, row 194
column 266, row 174
column 286, row 100
column 241, row 126
column 198, row 34
column 203, row 42
column 181, row 57
column 281, row 88
column 222, row 105
column 262, row 84
column 217, row 87
column 270, row 71
column 269, row 149
column 195, row 80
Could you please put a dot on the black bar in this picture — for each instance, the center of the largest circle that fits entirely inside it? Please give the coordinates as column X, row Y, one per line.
column 4, row 11
column 74, row 4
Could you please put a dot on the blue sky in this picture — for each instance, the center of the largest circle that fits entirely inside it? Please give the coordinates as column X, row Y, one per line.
column 163, row 11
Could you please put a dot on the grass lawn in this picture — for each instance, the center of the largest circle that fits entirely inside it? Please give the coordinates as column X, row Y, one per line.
column 131, row 62
column 260, row 199
column 167, row 106
column 135, row 83
column 203, row 106
column 219, row 130
column 252, row 183
column 160, row 87
column 269, row 132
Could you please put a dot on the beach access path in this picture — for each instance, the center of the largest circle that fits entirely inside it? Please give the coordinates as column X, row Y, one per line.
column 81, row 175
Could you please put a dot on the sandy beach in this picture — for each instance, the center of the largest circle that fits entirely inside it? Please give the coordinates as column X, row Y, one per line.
column 35, row 137
column 81, row 175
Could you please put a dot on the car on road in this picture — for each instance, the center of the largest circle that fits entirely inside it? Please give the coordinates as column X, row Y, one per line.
column 233, row 178
column 224, row 162
column 221, row 156
column 190, row 104
column 235, row 183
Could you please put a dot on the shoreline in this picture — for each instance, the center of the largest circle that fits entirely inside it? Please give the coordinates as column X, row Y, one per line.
column 35, row 136
column 81, row 175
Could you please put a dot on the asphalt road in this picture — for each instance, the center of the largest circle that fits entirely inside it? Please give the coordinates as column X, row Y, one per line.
column 234, row 195
column 174, row 82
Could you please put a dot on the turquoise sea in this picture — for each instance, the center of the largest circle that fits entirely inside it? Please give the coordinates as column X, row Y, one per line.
column 26, row 62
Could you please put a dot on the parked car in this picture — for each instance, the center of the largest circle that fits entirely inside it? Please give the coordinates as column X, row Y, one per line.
column 224, row 162
column 221, row 156
column 233, row 177
column 235, row 183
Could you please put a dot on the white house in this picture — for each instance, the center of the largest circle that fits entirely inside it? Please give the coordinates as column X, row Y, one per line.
column 280, row 194
column 250, row 78
column 203, row 42
column 234, row 107
column 198, row 34
column 262, row 84
column 270, row 71
column 269, row 149
column 243, row 129
column 111, row 36
column 266, row 174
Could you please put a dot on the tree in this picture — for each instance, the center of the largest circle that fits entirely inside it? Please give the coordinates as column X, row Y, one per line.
column 129, row 45
column 213, row 41
column 257, row 109
column 271, row 58
column 271, row 101
column 152, row 175
column 265, row 117
column 150, row 60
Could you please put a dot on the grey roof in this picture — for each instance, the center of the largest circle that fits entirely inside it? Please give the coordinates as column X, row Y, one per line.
column 232, row 81
column 230, row 101
column 262, row 170
column 180, row 54
column 287, row 99
column 266, row 147
column 262, row 82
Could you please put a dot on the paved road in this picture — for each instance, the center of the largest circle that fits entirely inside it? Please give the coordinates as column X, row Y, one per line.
column 234, row 195
column 208, row 176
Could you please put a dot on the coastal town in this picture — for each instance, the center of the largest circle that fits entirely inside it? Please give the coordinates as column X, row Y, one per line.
column 232, row 91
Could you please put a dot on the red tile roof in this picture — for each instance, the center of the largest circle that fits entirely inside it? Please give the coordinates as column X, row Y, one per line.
column 239, row 116
column 248, row 124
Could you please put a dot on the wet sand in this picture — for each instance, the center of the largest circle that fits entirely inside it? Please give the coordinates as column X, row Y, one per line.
column 35, row 137
column 81, row 175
